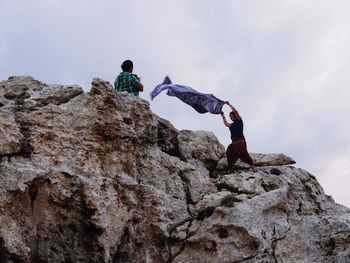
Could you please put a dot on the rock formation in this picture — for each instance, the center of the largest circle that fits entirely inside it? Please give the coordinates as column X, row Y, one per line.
column 97, row 177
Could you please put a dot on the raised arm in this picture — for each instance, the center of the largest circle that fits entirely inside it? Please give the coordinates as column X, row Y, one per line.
column 234, row 110
column 224, row 119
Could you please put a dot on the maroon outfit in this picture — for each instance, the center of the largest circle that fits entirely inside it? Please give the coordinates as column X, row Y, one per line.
column 238, row 148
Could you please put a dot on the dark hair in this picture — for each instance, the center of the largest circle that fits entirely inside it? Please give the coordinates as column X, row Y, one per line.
column 127, row 65
column 233, row 113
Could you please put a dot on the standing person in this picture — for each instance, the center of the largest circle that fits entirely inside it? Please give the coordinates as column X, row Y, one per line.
column 127, row 81
column 238, row 148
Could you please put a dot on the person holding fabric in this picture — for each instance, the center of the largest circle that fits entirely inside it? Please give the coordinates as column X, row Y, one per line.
column 238, row 148
column 127, row 81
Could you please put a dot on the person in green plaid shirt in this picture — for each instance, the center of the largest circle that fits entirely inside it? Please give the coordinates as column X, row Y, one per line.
column 127, row 81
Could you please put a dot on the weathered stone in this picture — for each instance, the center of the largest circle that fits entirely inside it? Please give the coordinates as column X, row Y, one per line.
column 202, row 146
column 268, row 221
column 56, row 94
column 167, row 138
column 20, row 87
column 10, row 133
column 96, row 177
column 260, row 159
column 272, row 159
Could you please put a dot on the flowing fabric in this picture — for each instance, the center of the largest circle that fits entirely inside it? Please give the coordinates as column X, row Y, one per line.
column 202, row 103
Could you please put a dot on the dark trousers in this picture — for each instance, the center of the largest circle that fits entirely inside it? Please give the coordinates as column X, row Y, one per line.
column 238, row 150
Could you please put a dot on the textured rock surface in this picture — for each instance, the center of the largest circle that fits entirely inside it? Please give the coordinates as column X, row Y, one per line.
column 97, row 177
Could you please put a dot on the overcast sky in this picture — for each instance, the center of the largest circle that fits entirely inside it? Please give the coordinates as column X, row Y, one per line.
column 285, row 65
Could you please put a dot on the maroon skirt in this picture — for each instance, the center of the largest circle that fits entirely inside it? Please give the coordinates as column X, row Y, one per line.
column 238, row 150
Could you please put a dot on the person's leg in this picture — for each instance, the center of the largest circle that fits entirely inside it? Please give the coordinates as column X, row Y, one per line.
column 231, row 154
column 244, row 155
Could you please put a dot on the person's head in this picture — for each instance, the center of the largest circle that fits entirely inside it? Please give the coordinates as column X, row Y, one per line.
column 127, row 66
column 232, row 115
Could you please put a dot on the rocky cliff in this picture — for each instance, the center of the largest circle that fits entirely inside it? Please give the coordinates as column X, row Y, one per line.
column 97, row 177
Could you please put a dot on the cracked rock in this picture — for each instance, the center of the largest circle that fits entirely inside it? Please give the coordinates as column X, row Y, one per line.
column 98, row 177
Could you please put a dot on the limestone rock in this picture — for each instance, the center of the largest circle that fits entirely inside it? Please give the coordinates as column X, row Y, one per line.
column 271, row 159
column 167, row 138
column 97, row 177
column 260, row 159
column 202, row 146
column 264, row 220
column 10, row 133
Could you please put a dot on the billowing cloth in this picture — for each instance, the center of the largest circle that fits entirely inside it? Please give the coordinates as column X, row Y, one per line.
column 202, row 103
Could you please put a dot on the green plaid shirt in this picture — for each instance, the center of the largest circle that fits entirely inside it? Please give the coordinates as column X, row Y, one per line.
column 127, row 81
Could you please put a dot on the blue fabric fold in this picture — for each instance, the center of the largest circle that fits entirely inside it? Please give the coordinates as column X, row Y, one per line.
column 201, row 102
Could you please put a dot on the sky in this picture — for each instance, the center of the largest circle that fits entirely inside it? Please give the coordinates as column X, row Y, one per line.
column 285, row 65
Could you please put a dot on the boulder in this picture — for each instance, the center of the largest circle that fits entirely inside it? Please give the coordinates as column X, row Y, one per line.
column 202, row 147
column 97, row 177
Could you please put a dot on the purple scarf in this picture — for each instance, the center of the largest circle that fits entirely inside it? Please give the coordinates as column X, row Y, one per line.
column 202, row 103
